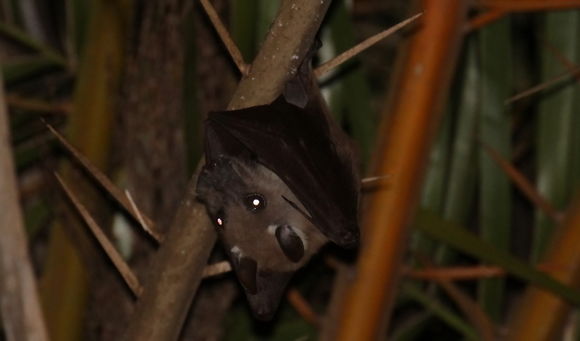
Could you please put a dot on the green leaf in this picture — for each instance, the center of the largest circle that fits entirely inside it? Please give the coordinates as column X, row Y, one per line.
column 460, row 195
column 558, row 125
column 433, row 194
column 465, row 241
column 494, row 131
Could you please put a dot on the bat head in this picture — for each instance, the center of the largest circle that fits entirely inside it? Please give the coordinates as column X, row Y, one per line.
column 265, row 229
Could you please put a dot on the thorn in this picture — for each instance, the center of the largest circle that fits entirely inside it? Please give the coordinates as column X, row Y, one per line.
column 523, row 184
column 372, row 179
column 105, row 183
column 467, row 273
column 139, row 217
column 32, row 104
column 540, row 87
column 343, row 57
column 303, row 307
column 373, row 182
column 216, row 269
column 468, row 306
column 120, row 264
column 225, row 37
column 483, row 19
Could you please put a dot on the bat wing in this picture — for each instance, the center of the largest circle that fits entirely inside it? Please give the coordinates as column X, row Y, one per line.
column 298, row 146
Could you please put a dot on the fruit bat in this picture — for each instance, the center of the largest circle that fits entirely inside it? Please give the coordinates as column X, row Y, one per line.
column 279, row 181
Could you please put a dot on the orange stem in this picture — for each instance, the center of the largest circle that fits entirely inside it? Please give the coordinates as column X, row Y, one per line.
column 460, row 273
column 529, row 5
column 424, row 79
column 302, row 307
column 484, row 18
column 540, row 309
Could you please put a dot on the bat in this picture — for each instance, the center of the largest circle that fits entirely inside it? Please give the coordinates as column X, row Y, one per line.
column 279, row 182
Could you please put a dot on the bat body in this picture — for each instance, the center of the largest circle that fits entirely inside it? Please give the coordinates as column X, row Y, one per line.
column 279, row 182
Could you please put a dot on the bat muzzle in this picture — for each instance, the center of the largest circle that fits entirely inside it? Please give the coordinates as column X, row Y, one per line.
column 271, row 287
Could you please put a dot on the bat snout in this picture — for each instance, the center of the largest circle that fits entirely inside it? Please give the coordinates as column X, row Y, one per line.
column 264, row 313
column 271, row 286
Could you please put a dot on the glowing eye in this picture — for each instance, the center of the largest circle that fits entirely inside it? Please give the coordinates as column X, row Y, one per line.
column 254, row 202
column 220, row 219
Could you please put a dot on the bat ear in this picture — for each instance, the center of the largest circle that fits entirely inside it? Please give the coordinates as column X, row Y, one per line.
column 204, row 184
column 290, row 243
column 295, row 92
column 247, row 270
column 297, row 89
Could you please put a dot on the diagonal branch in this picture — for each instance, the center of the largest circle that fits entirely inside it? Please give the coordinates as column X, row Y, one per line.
column 483, row 19
column 302, row 306
column 115, row 257
column 360, row 47
column 466, row 273
column 225, row 37
column 109, row 186
column 573, row 73
column 523, row 184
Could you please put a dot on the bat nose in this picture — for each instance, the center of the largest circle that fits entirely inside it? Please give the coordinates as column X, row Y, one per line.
column 271, row 287
column 264, row 313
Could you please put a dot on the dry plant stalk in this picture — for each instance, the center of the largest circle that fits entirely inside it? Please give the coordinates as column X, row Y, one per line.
column 19, row 305
column 58, row 108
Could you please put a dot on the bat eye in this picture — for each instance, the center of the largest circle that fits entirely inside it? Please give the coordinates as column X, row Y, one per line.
column 254, row 202
column 220, row 219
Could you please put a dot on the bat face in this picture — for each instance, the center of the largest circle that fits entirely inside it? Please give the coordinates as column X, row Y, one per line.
column 279, row 182
column 264, row 228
